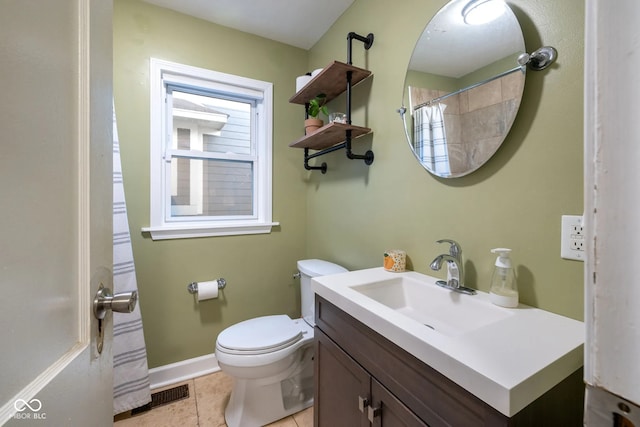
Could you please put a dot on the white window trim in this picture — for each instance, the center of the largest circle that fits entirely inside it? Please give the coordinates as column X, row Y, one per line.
column 161, row 71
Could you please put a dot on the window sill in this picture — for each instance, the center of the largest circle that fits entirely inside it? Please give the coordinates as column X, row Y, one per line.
column 207, row 230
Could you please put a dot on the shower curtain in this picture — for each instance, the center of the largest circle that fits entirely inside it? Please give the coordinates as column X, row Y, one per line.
column 430, row 138
column 130, row 371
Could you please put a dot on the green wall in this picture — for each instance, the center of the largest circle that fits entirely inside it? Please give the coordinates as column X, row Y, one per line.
column 354, row 213
column 516, row 200
column 258, row 268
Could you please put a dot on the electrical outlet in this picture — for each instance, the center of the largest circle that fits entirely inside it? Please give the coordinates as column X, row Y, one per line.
column 572, row 242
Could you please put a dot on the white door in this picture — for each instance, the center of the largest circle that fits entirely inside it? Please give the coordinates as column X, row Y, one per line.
column 55, row 210
column 612, row 207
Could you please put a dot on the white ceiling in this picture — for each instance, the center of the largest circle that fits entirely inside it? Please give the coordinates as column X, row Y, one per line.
column 302, row 23
column 299, row 23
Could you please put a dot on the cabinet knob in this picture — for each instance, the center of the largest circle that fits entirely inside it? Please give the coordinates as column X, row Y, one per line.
column 373, row 413
column 363, row 402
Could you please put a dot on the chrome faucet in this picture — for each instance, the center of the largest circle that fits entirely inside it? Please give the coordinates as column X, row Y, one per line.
column 455, row 268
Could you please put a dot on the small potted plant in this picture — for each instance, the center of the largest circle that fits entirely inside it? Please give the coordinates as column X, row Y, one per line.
column 316, row 106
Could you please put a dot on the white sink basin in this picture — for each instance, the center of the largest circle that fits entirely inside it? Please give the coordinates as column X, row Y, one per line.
column 439, row 309
column 506, row 357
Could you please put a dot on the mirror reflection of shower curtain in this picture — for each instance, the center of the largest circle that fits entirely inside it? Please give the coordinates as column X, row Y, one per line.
column 430, row 140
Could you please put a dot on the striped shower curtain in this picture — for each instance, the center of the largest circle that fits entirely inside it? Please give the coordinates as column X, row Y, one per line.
column 130, row 371
column 430, row 139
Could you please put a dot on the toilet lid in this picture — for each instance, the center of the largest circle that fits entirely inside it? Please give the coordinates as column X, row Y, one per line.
column 260, row 335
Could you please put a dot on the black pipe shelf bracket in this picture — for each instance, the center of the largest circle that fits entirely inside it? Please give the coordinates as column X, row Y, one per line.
column 333, row 80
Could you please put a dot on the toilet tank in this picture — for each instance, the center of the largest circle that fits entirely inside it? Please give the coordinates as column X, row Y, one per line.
column 309, row 268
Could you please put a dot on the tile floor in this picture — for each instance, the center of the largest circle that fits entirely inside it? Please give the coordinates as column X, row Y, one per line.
column 208, row 396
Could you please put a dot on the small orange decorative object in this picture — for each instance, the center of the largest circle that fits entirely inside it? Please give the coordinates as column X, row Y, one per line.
column 388, row 262
column 395, row 260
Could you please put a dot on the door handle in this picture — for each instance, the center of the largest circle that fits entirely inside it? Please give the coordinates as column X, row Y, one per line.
column 373, row 413
column 124, row 302
column 104, row 300
column 363, row 403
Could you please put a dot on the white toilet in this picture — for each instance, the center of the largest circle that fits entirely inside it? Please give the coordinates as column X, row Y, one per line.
column 271, row 358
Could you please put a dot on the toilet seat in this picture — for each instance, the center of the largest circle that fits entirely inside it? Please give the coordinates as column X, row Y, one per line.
column 260, row 335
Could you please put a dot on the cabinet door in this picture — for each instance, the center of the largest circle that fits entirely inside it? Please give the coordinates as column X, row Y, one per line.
column 340, row 382
column 390, row 412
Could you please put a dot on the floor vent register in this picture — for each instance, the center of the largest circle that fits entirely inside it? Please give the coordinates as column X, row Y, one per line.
column 164, row 397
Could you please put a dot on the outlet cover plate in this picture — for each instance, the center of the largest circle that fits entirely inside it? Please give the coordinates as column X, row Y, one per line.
column 572, row 243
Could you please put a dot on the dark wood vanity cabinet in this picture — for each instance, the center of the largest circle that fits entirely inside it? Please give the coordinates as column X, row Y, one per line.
column 363, row 379
column 350, row 396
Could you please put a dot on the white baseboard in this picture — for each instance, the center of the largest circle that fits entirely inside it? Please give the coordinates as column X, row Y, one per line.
column 181, row 371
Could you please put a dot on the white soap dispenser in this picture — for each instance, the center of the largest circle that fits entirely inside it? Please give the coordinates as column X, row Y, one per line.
column 504, row 290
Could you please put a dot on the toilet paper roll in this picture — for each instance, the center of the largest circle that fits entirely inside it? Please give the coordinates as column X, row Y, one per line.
column 301, row 81
column 207, row 290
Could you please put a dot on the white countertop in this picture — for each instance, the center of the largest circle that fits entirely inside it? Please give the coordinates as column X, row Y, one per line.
column 508, row 364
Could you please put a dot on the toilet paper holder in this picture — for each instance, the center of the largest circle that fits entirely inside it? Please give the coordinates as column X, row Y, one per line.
column 193, row 286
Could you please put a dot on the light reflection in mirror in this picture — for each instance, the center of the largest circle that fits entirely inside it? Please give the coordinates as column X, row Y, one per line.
column 478, row 12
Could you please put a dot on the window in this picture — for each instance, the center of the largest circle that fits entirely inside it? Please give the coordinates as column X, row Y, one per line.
column 211, row 149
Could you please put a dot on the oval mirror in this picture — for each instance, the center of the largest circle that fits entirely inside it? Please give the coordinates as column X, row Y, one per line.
column 463, row 86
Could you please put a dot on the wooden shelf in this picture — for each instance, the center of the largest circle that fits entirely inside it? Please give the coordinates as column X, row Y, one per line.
column 331, row 81
column 334, row 79
column 329, row 135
